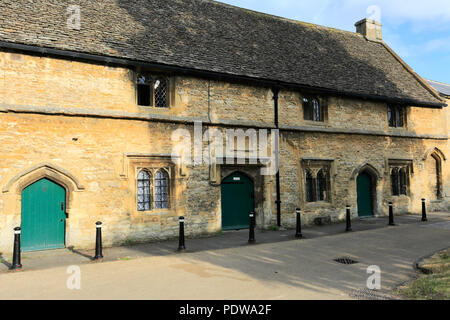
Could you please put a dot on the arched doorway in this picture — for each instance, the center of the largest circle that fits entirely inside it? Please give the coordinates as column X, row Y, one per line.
column 365, row 193
column 237, row 201
column 43, row 216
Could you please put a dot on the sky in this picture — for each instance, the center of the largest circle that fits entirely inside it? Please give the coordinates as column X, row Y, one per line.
column 417, row 30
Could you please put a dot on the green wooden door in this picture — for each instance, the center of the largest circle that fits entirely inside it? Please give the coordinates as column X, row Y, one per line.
column 43, row 216
column 364, row 188
column 237, row 201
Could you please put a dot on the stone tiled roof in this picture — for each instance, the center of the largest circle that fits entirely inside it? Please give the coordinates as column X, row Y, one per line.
column 443, row 88
column 207, row 35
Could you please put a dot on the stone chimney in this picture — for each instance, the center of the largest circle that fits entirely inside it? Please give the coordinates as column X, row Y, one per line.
column 371, row 29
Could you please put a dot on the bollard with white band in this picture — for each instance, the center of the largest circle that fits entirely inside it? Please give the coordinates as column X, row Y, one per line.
column 298, row 231
column 98, row 242
column 181, row 244
column 348, row 219
column 16, row 265
column 391, row 214
column 251, row 235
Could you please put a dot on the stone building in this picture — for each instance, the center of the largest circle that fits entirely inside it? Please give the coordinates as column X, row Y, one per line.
column 96, row 98
column 444, row 91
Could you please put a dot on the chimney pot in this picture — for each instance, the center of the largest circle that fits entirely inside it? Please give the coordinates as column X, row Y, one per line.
column 370, row 28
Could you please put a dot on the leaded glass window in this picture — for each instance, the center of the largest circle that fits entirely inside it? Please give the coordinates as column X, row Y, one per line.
column 394, row 182
column 399, row 181
column 322, row 186
column 310, row 187
column 144, row 191
column 161, row 190
column 403, row 181
column 160, row 86
column 144, row 93
column 396, row 116
column 152, row 91
column 312, row 110
column 317, row 180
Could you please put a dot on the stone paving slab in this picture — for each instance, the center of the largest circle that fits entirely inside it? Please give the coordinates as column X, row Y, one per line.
column 230, row 239
column 295, row 269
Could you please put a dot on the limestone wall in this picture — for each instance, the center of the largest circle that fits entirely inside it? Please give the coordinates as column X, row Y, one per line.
column 79, row 124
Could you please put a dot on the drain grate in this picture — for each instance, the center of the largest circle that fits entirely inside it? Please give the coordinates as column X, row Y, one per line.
column 345, row 260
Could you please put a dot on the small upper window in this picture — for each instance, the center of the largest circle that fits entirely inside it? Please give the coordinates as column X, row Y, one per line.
column 144, row 88
column 312, row 109
column 160, row 89
column 152, row 91
column 396, row 116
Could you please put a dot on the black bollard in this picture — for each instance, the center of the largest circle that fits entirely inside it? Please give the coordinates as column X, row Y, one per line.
column 424, row 210
column 251, row 232
column 348, row 220
column 391, row 214
column 16, row 265
column 98, row 242
column 181, row 245
column 298, row 231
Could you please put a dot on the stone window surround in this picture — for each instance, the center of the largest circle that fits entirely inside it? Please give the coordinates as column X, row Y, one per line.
column 317, row 164
column 439, row 157
column 171, row 84
column 152, row 170
column 323, row 104
column 408, row 165
column 133, row 163
column 404, row 113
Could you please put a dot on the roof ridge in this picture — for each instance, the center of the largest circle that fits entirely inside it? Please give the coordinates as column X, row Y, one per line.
column 290, row 20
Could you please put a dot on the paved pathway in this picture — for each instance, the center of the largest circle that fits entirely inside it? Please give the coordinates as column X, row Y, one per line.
column 223, row 267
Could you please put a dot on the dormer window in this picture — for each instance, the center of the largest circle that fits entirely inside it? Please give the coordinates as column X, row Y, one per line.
column 152, row 91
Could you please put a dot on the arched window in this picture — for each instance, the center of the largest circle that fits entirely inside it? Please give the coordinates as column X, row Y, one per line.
column 438, row 166
column 399, row 181
column 312, row 110
column 403, row 180
column 161, row 190
column 144, row 194
column 322, row 186
column 395, row 182
column 310, row 187
column 317, row 183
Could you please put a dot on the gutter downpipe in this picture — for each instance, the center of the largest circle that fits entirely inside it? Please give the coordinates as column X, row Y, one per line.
column 277, row 155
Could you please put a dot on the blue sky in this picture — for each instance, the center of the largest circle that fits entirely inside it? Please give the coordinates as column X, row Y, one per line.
column 418, row 30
